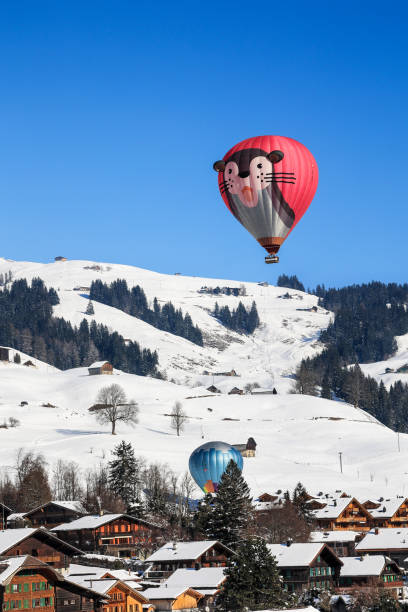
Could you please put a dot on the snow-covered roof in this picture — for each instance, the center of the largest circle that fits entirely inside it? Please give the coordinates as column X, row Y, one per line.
column 163, row 592
column 206, row 577
column 9, row 566
column 88, row 522
column 333, row 536
column 296, row 554
column 368, row 565
column 333, row 509
column 11, row 537
column 386, row 539
column 15, row 516
column 75, row 506
column 182, row 551
column 98, row 364
column 387, row 508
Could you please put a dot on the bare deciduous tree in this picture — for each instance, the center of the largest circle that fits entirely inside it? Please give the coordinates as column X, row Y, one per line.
column 178, row 418
column 112, row 406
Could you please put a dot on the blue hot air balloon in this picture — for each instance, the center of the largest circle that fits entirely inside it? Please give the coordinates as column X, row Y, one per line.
column 209, row 461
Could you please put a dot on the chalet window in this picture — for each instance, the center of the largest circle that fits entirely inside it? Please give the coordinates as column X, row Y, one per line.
column 72, row 602
column 312, row 571
column 16, row 588
column 26, row 604
column 66, row 602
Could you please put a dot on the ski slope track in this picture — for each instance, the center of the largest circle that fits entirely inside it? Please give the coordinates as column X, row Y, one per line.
column 298, row 437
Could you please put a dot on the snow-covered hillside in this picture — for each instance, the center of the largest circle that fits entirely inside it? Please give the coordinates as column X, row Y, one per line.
column 298, row 437
column 289, row 331
column 378, row 369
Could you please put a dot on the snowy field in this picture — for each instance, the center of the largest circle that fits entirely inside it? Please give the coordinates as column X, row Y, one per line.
column 298, row 437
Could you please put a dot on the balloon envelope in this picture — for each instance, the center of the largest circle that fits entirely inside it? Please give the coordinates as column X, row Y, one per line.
column 209, row 461
column 268, row 182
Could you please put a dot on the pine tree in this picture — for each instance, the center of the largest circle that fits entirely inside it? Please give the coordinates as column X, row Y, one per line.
column 202, row 517
column 232, row 508
column 90, row 309
column 326, row 391
column 253, row 580
column 299, row 499
column 123, row 474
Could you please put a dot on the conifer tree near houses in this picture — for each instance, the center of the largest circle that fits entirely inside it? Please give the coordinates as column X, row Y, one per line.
column 90, row 309
column 232, row 508
column 253, row 580
column 202, row 517
column 123, row 474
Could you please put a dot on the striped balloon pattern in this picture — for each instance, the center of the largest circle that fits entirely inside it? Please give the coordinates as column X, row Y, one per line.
column 209, row 461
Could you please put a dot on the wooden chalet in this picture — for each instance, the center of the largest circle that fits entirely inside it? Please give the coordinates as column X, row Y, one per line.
column 368, row 572
column 307, row 566
column 4, row 354
column 236, row 391
column 248, row 449
column 54, row 513
column 194, row 555
column 342, row 542
column 392, row 512
column 120, row 535
column 60, row 258
column 29, row 584
column 167, row 598
column 343, row 513
column 213, row 389
column 38, row 543
column 5, row 512
column 208, row 581
column 119, row 595
column 391, row 542
column 100, row 367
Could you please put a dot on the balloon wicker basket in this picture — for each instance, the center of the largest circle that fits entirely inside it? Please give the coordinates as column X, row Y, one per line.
column 269, row 259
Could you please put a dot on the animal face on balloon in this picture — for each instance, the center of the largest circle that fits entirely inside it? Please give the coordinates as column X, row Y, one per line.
column 250, row 180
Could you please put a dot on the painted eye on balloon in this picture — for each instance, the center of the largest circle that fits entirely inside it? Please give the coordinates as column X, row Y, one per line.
column 230, row 171
column 259, row 166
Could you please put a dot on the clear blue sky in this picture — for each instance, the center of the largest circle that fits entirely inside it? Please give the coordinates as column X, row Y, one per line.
column 112, row 113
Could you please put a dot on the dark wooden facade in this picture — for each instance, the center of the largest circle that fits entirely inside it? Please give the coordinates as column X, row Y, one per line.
column 45, row 547
column 391, row 578
column 122, row 537
column 4, row 354
column 52, row 514
column 5, row 512
column 323, row 572
column 215, row 556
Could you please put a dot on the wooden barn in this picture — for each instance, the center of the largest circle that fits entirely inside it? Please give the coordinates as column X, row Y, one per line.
column 248, row 449
column 4, row 354
column 213, row 389
column 100, row 367
column 236, row 391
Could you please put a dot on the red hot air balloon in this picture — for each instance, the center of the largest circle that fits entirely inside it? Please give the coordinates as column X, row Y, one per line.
column 268, row 182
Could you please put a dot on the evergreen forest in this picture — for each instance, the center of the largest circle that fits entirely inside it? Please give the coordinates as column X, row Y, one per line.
column 134, row 302
column 27, row 324
column 367, row 319
column 238, row 319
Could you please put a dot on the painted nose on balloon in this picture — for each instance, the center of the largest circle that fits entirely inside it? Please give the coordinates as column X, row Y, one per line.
column 243, row 174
